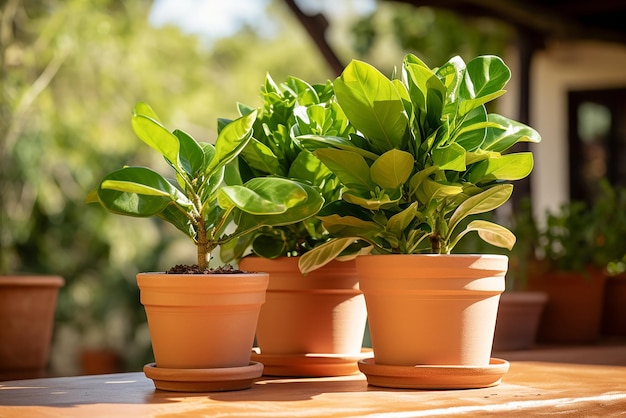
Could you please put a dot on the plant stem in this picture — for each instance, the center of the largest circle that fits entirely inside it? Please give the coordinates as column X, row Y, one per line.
column 203, row 245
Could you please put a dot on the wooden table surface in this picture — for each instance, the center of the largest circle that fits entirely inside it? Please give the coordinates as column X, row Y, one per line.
column 530, row 388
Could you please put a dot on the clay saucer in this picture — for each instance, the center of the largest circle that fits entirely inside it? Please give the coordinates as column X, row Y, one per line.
column 204, row 380
column 434, row 377
column 311, row 364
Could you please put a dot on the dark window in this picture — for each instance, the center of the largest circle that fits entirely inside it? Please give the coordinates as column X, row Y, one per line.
column 597, row 140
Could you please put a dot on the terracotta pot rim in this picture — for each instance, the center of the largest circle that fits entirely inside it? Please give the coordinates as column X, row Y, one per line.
column 32, row 280
column 220, row 275
column 492, row 256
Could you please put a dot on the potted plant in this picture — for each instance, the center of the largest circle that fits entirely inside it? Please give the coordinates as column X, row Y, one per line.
column 426, row 156
column 309, row 325
column 27, row 307
column 201, row 319
column 576, row 245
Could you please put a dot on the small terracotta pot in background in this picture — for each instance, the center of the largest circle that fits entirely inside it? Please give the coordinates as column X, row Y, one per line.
column 614, row 314
column 573, row 314
column 519, row 315
column 27, row 307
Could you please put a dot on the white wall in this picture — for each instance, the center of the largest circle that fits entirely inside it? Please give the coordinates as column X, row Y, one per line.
column 559, row 68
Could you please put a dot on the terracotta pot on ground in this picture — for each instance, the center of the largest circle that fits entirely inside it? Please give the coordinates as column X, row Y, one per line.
column 27, row 307
column 310, row 325
column 614, row 315
column 518, row 320
column 573, row 313
column 432, row 309
column 204, row 323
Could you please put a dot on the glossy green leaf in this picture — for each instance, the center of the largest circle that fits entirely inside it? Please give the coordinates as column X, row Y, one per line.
column 324, row 254
column 450, row 157
column 504, row 133
column 490, row 232
column 191, row 154
column 231, row 140
column 269, row 246
column 261, row 158
column 138, row 191
column 504, row 167
column 373, row 105
column 484, row 80
column 262, row 196
column 400, row 221
column 295, row 212
column 392, row 169
column 348, row 166
column 154, row 134
column 314, row 142
column 485, row 201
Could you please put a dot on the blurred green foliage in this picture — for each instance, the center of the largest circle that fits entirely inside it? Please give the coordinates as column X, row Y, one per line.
column 70, row 74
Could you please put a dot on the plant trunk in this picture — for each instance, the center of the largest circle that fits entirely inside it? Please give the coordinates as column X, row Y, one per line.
column 203, row 246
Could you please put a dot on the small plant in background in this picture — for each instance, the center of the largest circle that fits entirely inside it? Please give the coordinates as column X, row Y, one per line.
column 579, row 234
column 289, row 110
column 426, row 156
column 204, row 199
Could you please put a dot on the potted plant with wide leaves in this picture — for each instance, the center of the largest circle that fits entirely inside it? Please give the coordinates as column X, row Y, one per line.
column 426, row 156
column 309, row 325
column 202, row 320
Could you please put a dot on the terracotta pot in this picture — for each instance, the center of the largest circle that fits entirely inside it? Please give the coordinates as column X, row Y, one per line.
column 202, row 321
column 518, row 319
column 100, row 361
column 27, row 307
column 323, row 312
column 614, row 315
column 573, row 313
column 432, row 309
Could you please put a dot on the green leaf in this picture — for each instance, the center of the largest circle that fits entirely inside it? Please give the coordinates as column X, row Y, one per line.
column 262, row 196
column 398, row 222
column 485, row 77
column 427, row 93
column 348, row 166
column 450, row 157
column 485, row 201
column 177, row 218
column 433, row 190
column 490, row 232
column 372, row 203
column 504, row 133
column 139, row 191
column 392, row 169
column 191, row 154
column 324, row 254
column 470, row 133
column 306, row 208
column 504, row 167
column 269, row 246
column 338, row 225
column 150, row 131
column 314, row 142
column 231, row 140
column 261, row 158
column 372, row 104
